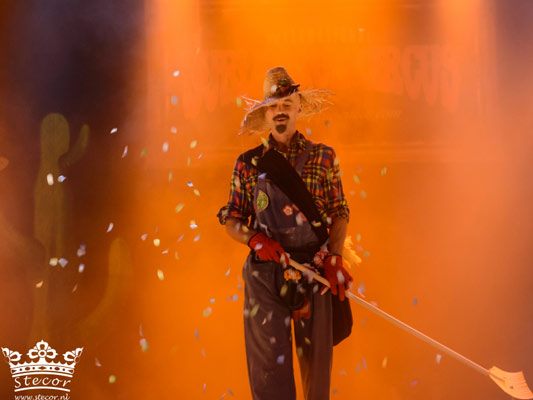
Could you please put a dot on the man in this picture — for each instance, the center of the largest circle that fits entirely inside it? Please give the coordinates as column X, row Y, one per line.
column 283, row 226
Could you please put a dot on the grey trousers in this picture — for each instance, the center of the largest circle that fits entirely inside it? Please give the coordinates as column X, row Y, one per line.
column 267, row 334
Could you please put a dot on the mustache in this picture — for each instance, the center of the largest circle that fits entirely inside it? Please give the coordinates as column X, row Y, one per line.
column 281, row 116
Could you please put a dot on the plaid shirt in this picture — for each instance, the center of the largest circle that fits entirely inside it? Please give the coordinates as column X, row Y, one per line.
column 320, row 174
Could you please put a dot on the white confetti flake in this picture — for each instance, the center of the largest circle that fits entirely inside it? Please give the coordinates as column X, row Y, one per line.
column 81, row 268
column 196, row 334
column 205, row 386
column 141, row 330
column 179, row 207
column 144, row 344
column 112, row 379
column 39, row 284
column 287, row 321
column 174, row 100
column 144, row 236
column 173, row 130
column 383, row 171
column 81, row 250
column 165, row 147
column 157, row 242
column 384, row 363
column 281, row 359
column 53, row 261
column 190, row 184
column 200, row 155
column 197, row 238
column 196, row 192
column 193, row 144
column 50, row 179
column 308, row 131
column 361, row 290
column 114, row 130
column 110, row 227
column 207, row 311
column 254, row 310
column 61, row 178
column 265, row 142
column 272, row 340
column 212, row 301
column 170, row 176
column 124, row 152
column 181, row 237
column 160, row 275
column 438, row 357
column 97, row 362
column 227, row 272
column 176, row 73
column 63, row 262
column 192, row 224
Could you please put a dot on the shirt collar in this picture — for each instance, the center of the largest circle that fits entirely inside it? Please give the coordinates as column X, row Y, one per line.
column 298, row 142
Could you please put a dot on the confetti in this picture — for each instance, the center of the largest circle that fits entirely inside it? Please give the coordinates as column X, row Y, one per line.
column 281, row 359
column 356, row 179
column 230, row 392
column 414, row 383
column 327, row 122
column 438, row 357
column 415, row 301
column 287, row 321
column 307, row 340
column 366, row 254
column 176, row 73
column 144, row 152
column 340, row 277
column 173, row 129
column 192, row 224
column 358, row 368
column 110, row 227
column 165, row 251
column 174, row 99
column 114, row 130
column 203, row 352
column 235, row 297
column 272, row 340
column 358, row 237
column 144, row 236
column 207, row 311
column 246, row 312
column 384, row 363
column 144, row 344
column 342, row 372
column 227, row 272
column 363, row 195
column 141, row 330
column 335, row 391
column 361, row 290
column 265, row 142
column 383, row 171
column 200, row 155
column 308, row 131
column 188, row 161
column 299, row 351
column 112, row 379
column 205, row 386
column 160, row 274
column 181, row 237
column 39, row 284
column 197, row 238
column 63, row 262
column 97, row 362
column 170, row 176
column 190, row 184
column 254, row 310
column 61, row 178
column 196, row 334
column 283, row 290
column 193, row 144
column 157, row 242
column 53, row 261
column 81, row 268
column 165, row 147
column 50, row 179
column 364, row 364
column 196, row 192
column 81, row 250
column 239, row 102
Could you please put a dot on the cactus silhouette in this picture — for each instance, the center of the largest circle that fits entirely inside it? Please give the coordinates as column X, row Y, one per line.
column 52, row 204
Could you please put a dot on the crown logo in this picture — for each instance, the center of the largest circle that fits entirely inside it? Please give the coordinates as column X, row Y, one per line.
column 43, row 373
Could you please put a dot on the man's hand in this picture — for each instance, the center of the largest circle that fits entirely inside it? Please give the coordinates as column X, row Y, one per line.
column 337, row 275
column 268, row 249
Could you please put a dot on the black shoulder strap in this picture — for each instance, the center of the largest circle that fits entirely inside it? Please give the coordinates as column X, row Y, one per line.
column 282, row 173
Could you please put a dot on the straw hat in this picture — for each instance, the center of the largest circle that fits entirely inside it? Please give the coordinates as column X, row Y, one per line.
column 278, row 84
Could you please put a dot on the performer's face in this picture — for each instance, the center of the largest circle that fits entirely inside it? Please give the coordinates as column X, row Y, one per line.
column 281, row 117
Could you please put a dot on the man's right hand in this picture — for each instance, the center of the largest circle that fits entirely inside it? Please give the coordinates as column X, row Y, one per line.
column 268, row 249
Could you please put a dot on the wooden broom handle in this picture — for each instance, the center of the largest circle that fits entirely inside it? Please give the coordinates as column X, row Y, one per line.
column 395, row 321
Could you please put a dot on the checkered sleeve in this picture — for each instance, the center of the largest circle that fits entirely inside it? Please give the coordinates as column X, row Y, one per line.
column 336, row 204
column 240, row 202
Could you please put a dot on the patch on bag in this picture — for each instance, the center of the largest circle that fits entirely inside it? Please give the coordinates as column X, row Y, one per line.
column 292, row 274
column 262, row 201
column 287, row 210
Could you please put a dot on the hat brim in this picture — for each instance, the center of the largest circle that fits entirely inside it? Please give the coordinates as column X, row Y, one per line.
column 313, row 102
